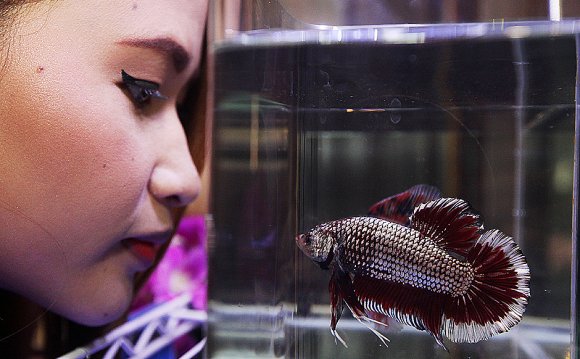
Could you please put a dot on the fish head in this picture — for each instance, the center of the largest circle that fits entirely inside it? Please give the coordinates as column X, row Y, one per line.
column 317, row 244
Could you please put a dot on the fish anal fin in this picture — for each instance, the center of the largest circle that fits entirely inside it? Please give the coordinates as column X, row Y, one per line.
column 450, row 222
column 398, row 208
column 416, row 307
column 381, row 320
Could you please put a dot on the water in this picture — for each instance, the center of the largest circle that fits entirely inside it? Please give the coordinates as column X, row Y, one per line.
column 320, row 124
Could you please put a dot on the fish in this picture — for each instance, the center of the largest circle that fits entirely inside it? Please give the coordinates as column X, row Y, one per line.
column 425, row 261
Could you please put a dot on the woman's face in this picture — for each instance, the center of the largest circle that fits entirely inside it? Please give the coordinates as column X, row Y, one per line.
column 91, row 173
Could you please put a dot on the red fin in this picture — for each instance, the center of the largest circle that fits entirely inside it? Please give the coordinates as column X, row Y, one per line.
column 398, row 208
column 342, row 291
column 450, row 222
column 336, row 303
column 498, row 296
column 389, row 325
column 409, row 305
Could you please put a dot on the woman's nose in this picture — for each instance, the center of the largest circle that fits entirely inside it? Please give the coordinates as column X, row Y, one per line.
column 175, row 180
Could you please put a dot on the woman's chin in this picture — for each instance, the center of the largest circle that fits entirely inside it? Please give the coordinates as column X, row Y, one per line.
column 93, row 318
column 98, row 308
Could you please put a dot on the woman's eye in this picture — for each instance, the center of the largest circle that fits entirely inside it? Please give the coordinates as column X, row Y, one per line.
column 141, row 90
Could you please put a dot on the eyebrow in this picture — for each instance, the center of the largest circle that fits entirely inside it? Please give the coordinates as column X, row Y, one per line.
column 165, row 45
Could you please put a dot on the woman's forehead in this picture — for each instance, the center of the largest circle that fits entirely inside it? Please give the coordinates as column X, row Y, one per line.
column 181, row 20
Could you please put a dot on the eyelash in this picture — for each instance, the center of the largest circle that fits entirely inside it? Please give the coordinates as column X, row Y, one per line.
column 142, row 91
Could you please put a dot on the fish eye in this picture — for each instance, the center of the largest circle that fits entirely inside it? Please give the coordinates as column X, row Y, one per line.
column 142, row 91
column 306, row 239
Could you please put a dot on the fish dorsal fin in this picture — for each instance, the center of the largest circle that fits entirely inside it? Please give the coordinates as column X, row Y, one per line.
column 398, row 208
column 450, row 222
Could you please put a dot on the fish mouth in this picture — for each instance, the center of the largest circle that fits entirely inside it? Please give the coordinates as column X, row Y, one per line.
column 304, row 242
column 301, row 241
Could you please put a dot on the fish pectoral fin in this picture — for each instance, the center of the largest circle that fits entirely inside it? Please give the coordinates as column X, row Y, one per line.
column 450, row 222
column 398, row 208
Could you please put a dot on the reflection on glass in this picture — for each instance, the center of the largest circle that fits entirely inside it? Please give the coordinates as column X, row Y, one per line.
column 315, row 125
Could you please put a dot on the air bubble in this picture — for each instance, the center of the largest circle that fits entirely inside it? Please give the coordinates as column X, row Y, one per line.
column 395, row 114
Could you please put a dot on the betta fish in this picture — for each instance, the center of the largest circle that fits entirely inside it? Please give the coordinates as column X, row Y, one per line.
column 425, row 261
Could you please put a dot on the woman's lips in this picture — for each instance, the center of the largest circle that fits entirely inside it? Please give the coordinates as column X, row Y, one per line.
column 143, row 250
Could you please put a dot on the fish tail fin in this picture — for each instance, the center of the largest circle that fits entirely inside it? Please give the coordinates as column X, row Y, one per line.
column 498, row 295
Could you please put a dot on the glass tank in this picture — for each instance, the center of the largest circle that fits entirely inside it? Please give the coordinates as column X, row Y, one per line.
column 318, row 123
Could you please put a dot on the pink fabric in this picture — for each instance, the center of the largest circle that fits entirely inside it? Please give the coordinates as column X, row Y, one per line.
column 182, row 269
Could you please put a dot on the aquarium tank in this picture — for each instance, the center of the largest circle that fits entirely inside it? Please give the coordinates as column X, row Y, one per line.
column 321, row 109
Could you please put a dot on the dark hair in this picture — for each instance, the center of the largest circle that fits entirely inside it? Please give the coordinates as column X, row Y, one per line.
column 9, row 10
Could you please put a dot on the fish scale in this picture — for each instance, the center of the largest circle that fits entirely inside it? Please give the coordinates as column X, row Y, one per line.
column 425, row 261
column 389, row 251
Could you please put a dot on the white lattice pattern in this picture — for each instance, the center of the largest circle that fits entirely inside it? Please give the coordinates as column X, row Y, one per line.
column 147, row 334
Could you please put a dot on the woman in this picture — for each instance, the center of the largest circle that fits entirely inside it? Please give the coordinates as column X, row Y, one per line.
column 94, row 163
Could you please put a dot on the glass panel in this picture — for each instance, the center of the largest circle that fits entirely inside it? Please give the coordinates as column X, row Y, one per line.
column 315, row 125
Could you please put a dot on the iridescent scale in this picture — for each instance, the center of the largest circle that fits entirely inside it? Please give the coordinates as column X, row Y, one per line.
column 388, row 251
column 425, row 261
